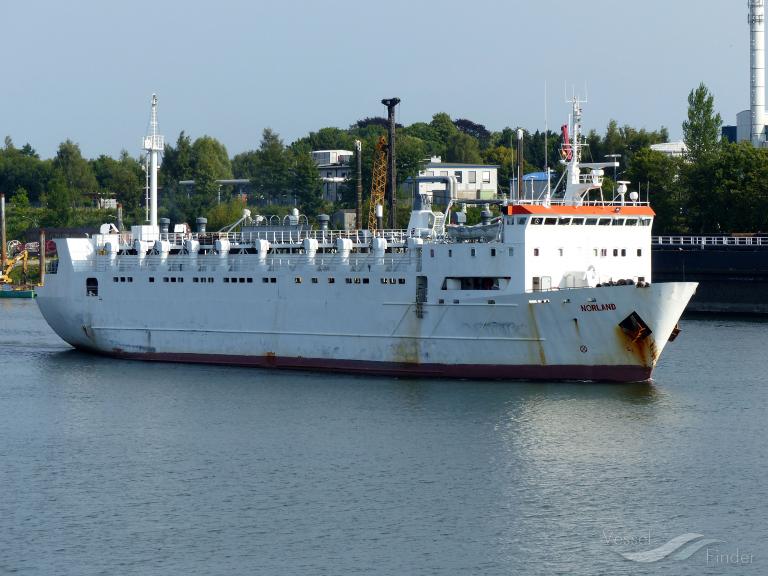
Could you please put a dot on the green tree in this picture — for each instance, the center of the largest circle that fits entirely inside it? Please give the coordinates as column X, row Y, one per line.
column 177, row 161
column 226, row 213
column 210, row 162
column 273, row 176
column 659, row 173
column 75, row 172
column 328, row 139
column 306, row 184
column 701, row 130
column 444, row 127
column 463, row 148
column 122, row 179
column 58, row 203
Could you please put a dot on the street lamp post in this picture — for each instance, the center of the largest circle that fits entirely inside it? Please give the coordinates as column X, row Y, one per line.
column 614, row 158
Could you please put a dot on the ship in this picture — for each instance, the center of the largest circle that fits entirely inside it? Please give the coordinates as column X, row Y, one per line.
column 557, row 286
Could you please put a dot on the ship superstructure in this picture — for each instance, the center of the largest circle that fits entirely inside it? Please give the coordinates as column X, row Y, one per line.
column 557, row 286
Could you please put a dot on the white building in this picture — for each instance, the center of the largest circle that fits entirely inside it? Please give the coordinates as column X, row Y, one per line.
column 334, row 169
column 473, row 181
column 675, row 149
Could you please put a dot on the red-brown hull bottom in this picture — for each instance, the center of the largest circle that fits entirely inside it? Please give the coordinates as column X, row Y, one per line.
column 606, row 373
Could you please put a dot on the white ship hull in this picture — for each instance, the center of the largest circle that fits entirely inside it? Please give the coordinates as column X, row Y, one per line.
column 373, row 328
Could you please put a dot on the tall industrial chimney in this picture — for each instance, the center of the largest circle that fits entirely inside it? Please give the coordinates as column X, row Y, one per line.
column 757, row 66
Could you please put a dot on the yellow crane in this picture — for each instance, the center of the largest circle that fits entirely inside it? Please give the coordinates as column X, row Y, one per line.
column 378, row 181
column 5, row 275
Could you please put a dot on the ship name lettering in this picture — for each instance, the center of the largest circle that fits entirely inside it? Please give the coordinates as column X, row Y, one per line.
column 597, row 307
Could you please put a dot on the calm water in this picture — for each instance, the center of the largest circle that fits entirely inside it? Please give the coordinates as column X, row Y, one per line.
column 116, row 467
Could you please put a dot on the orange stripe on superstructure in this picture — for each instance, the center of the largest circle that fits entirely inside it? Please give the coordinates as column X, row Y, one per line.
column 560, row 210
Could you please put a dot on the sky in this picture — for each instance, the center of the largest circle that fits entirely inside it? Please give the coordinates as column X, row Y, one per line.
column 85, row 70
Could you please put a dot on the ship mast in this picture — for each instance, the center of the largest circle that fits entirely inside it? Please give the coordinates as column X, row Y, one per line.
column 153, row 144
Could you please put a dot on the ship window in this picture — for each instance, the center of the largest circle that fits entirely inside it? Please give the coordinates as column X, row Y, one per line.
column 474, row 283
column 348, row 280
column 250, row 280
column 564, row 221
column 535, row 251
column 431, row 252
column 591, row 221
column 265, row 280
column 618, row 222
column 631, row 222
column 151, row 278
column 114, row 278
column 357, row 280
column 603, row 252
column 91, row 287
column 536, row 220
column 639, row 252
column 241, row 280
column 173, row 278
column 615, row 251
column 385, row 280
column 604, row 222
column 180, row 280
column 226, row 280
column 550, row 221
column 594, row 251
column 493, row 251
column 195, row 280
column 472, row 251
column 122, row 278
column 623, row 251
column 511, row 251
column 273, row 280
column 450, row 253
column 521, row 220
column 130, row 278
column 457, row 174
column 577, row 221
column 366, row 281
column 165, row 278
column 401, row 280
column 472, row 176
column 210, row 279
column 297, row 279
column 560, row 251
column 486, row 176
column 331, row 280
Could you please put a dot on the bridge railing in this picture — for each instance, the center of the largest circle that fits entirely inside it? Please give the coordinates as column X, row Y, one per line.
column 710, row 240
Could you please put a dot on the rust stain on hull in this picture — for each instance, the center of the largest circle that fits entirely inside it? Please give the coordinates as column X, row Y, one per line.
column 644, row 349
column 536, row 335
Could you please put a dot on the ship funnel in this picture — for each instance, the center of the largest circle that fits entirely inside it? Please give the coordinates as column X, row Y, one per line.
column 201, row 223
